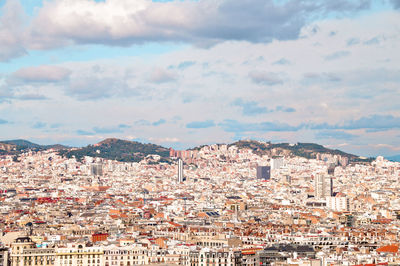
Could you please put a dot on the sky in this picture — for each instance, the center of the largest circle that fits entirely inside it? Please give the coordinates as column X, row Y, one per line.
column 183, row 73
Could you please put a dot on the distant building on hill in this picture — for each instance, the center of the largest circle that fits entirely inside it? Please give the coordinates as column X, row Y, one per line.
column 96, row 169
column 276, row 163
column 180, row 171
column 264, row 172
column 323, row 186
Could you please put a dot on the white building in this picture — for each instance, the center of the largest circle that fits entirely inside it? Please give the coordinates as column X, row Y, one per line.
column 276, row 163
column 127, row 255
column 323, row 186
column 339, row 204
column 180, row 171
column 79, row 254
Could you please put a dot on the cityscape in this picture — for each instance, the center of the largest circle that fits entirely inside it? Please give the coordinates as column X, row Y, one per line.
column 199, row 132
column 221, row 204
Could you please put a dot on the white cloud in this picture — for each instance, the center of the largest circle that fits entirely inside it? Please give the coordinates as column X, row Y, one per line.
column 11, row 31
column 42, row 73
column 159, row 75
column 126, row 22
column 266, row 78
column 164, row 140
column 128, row 89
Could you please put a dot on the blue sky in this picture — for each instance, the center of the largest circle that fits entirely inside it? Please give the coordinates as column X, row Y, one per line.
column 185, row 73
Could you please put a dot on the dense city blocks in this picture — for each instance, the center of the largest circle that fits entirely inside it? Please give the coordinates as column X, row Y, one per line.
column 213, row 205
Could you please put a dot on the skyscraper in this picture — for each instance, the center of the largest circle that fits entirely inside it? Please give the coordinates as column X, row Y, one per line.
column 323, row 186
column 180, row 170
column 96, row 169
column 264, row 172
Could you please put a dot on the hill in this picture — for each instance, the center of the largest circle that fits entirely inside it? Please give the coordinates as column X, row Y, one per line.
column 14, row 147
column 306, row 150
column 120, row 150
column 6, row 148
column 132, row 151
column 23, row 144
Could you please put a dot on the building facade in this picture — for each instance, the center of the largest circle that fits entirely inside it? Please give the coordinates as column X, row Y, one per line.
column 323, row 186
column 340, row 204
column 215, row 257
column 4, row 258
column 264, row 172
column 180, row 170
column 78, row 254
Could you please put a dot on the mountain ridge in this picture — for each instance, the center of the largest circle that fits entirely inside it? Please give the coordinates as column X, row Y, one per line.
column 133, row 151
column 310, row 151
column 16, row 146
column 306, row 150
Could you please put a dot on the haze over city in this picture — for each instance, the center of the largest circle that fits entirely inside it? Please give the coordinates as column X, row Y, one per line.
column 186, row 73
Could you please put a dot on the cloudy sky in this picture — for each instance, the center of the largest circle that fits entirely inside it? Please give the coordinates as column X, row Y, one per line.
column 182, row 73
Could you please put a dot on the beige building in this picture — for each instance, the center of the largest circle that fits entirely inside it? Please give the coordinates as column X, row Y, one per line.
column 341, row 204
column 79, row 254
column 17, row 249
column 221, row 257
column 25, row 253
column 218, row 241
column 127, row 255
column 4, row 257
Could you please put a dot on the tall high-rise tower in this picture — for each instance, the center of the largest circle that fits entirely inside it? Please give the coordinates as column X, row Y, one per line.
column 180, row 170
column 264, row 172
column 323, row 186
column 96, row 169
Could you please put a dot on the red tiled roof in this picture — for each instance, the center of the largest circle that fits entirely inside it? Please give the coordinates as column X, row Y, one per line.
column 388, row 249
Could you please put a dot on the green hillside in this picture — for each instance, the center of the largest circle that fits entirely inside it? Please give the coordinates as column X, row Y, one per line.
column 17, row 146
column 306, row 150
column 120, row 150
